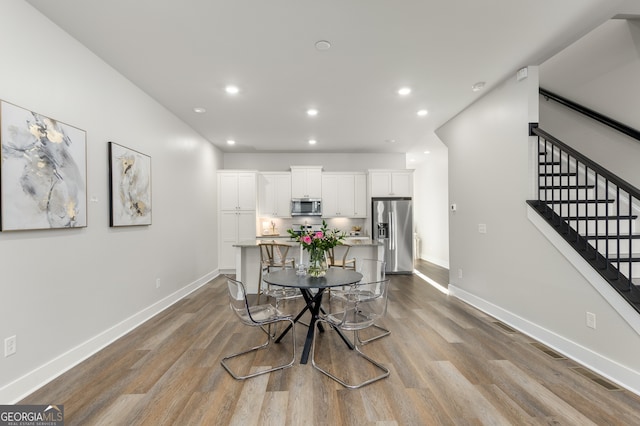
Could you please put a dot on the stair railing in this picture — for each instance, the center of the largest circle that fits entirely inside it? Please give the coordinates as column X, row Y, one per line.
column 608, row 121
column 594, row 209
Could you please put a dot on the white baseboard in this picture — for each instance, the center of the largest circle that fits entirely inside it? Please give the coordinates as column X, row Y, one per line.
column 619, row 374
column 30, row 382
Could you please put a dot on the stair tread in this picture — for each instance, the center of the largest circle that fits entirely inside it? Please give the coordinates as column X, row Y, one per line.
column 612, row 237
column 635, row 258
column 611, row 217
column 578, row 201
column 567, row 187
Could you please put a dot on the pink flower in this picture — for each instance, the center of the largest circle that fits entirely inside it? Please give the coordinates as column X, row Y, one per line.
column 319, row 235
column 306, row 239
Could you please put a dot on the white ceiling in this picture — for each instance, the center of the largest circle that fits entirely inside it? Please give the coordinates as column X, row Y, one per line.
column 184, row 52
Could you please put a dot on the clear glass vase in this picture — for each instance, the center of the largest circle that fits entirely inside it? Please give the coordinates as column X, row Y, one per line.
column 317, row 262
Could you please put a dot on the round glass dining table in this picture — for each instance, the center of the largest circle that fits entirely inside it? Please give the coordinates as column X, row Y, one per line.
column 335, row 277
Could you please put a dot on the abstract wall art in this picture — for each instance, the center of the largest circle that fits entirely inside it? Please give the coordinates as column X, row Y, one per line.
column 43, row 174
column 129, row 186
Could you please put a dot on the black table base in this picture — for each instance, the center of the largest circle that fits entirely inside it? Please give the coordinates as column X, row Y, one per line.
column 314, row 306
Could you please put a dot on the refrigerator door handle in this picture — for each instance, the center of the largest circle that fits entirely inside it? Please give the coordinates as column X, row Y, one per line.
column 392, row 231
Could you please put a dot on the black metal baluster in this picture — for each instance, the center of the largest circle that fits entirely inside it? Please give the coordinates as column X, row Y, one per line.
column 596, row 208
column 606, row 223
column 618, row 230
column 577, row 197
column 540, row 152
column 630, row 240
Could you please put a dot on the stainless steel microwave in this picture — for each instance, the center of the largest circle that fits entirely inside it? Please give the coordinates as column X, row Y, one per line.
column 306, row 207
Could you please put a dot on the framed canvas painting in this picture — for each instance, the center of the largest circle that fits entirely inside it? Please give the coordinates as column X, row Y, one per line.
column 43, row 176
column 129, row 186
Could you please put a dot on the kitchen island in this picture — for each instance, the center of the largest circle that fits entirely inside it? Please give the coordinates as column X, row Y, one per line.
column 248, row 256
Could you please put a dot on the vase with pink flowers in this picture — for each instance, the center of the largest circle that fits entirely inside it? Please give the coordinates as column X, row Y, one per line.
column 316, row 243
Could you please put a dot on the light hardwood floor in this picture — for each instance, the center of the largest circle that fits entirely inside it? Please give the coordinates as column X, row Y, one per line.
column 450, row 364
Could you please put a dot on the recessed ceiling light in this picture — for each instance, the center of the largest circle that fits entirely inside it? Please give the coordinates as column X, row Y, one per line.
column 312, row 141
column 422, row 112
column 312, row 112
column 199, row 110
column 323, row 45
column 390, row 140
column 427, row 152
column 478, row 86
column 404, row 91
column 232, row 90
column 231, row 142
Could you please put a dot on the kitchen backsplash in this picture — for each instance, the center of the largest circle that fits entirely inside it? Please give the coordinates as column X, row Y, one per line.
column 279, row 226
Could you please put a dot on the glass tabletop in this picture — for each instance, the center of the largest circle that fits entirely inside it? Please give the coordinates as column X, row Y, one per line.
column 334, row 277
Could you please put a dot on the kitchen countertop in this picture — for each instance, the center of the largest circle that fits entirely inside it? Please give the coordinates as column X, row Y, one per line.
column 357, row 241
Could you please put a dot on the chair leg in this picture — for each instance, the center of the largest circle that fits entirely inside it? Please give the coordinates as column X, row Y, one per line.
column 385, row 371
column 384, row 333
column 257, row 348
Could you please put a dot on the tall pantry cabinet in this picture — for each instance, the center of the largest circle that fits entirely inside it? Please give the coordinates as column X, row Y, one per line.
column 237, row 212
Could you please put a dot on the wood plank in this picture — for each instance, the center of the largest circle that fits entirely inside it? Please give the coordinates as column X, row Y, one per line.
column 450, row 364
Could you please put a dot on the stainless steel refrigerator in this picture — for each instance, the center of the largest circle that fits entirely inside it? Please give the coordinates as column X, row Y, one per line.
column 392, row 225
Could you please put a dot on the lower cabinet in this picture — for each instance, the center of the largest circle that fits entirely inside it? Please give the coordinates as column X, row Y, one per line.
column 235, row 226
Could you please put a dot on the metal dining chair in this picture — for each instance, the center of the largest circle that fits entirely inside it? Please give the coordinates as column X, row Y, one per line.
column 356, row 311
column 371, row 270
column 255, row 316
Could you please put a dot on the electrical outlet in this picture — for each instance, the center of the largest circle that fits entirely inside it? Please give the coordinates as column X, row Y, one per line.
column 591, row 320
column 482, row 228
column 157, row 282
column 460, row 273
column 10, row 346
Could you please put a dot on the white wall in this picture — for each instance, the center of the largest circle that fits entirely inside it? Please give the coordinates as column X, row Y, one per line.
column 600, row 71
column 431, row 207
column 64, row 293
column 512, row 271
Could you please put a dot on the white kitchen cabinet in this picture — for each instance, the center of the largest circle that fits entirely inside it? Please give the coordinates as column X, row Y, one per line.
column 306, row 181
column 391, row 183
column 237, row 198
column 274, row 194
column 344, row 195
column 336, row 189
column 360, row 195
column 235, row 226
column 237, row 190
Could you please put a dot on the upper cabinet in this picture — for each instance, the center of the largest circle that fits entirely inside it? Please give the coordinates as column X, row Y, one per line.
column 391, row 183
column 237, row 190
column 306, row 181
column 344, row 195
column 360, row 195
column 274, row 194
